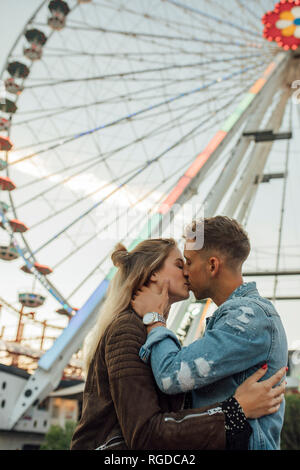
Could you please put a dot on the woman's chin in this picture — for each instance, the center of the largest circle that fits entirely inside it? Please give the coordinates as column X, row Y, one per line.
column 183, row 296
column 178, row 295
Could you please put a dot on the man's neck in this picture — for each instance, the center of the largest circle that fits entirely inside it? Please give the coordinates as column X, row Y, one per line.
column 222, row 293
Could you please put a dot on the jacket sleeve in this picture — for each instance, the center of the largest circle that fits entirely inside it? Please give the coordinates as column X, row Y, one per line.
column 236, row 343
column 135, row 397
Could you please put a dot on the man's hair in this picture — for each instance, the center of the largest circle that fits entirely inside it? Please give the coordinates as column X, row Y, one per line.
column 223, row 234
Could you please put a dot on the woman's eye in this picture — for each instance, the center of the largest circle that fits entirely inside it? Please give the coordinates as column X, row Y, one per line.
column 180, row 267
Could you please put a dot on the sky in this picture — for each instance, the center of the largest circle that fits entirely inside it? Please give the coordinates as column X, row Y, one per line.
column 262, row 225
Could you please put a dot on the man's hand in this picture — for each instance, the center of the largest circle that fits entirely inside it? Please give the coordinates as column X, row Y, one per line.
column 152, row 299
column 261, row 398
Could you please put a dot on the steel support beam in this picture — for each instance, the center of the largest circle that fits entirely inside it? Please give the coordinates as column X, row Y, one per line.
column 245, row 191
column 229, row 173
column 268, row 136
column 283, row 298
column 269, row 176
column 272, row 273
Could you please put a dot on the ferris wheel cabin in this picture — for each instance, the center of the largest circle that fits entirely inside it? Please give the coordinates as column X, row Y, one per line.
column 17, row 226
column 8, row 253
column 4, row 124
column 31, row 300
column 59, row 11
column 12, row 87
column 6, row 184
column 37, row 39
column 43, row 269
column 5, row 144
column 8, row 106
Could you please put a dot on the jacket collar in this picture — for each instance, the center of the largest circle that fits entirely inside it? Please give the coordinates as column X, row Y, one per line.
column 243, row 290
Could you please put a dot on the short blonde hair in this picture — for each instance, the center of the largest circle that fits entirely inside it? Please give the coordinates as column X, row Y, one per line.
column 223, row 234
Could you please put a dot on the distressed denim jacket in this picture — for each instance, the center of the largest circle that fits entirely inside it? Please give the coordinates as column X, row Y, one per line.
column 242, row 334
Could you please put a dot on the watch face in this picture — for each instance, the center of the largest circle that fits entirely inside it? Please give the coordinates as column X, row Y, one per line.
column 148, row 318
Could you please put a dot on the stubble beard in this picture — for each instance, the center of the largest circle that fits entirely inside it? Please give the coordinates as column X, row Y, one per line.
column 202, row 294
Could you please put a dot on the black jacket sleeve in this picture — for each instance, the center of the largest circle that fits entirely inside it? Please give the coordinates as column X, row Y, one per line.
column 135, row 397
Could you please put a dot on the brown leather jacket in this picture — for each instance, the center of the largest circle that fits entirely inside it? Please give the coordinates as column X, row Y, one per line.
column 124, row 409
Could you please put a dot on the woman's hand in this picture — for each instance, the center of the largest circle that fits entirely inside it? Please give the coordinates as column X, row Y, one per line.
column 259, row 398
column 151, row 299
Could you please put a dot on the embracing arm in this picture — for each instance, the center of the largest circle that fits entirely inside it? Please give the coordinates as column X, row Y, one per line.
column 143, row 424
column 230, row 347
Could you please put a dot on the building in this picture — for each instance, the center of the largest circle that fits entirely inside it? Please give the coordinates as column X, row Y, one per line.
column 64, row 404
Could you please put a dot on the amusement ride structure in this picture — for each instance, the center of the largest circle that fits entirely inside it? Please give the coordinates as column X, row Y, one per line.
column 117, row 119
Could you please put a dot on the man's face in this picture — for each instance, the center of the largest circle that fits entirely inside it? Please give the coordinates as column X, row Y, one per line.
column 197, row 268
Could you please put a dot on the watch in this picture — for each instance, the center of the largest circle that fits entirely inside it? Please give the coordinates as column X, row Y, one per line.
column 153, row 317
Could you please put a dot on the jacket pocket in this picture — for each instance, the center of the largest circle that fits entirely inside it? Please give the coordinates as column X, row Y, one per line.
column 210, row 412
column 113, row 442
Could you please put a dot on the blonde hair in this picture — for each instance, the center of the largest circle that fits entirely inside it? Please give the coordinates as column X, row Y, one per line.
column 135, row 269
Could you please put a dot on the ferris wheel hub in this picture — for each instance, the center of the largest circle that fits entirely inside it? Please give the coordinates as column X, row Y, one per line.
column 282, row 25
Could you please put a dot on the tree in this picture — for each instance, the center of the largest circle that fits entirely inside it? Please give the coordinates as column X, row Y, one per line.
column 290, row 435
column 58, row 438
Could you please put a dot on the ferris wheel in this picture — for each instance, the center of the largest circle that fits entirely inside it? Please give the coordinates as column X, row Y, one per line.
column 116, row 113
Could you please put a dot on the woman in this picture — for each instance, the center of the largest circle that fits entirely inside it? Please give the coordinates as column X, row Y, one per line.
column 122, row 406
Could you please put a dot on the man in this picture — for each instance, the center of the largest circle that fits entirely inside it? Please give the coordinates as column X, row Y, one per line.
column 244, row 332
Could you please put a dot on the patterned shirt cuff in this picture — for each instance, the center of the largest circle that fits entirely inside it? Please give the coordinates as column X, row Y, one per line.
column 238, row 430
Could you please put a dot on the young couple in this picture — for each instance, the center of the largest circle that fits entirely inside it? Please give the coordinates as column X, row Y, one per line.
column 138, row 375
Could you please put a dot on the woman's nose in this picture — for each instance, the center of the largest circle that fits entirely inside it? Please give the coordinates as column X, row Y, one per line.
column 185, row 271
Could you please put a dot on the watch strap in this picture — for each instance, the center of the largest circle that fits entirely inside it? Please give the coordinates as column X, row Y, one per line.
column 160, row 318
column 156, row 317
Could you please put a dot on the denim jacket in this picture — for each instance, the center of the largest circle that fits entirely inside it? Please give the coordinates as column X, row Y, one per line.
column 242, row 334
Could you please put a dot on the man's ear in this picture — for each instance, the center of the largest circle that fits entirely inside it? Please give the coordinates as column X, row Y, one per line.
column 214, row 265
